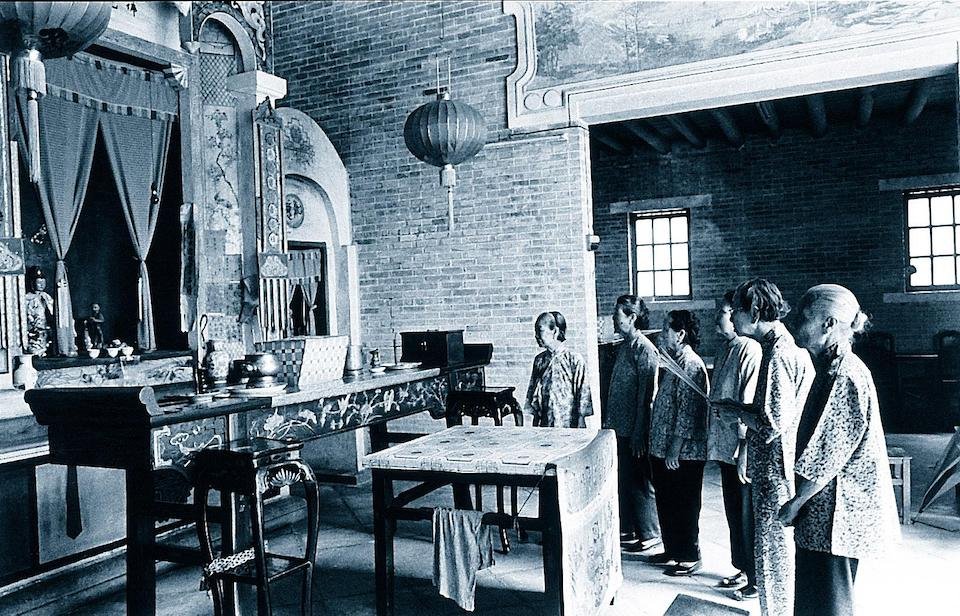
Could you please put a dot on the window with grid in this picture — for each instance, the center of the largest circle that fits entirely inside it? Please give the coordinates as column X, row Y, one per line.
column 933, row 239
column 661, row 254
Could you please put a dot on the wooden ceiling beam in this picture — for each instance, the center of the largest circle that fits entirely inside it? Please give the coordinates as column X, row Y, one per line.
column 651, row 137
column 686, row 128
column 728, row 125
column 817, row 112
column 919, row 95
column 610, row 142
column 768, row 113
column 865, row 106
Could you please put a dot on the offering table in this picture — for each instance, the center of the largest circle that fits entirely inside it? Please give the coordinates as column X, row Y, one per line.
column 574, row 471
column 128, row 428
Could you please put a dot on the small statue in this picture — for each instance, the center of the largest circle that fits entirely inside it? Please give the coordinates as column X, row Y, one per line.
column 94, row 328
column 39, row 316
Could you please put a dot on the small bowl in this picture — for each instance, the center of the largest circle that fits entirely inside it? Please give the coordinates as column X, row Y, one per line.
column 127, row 351
column 93, row 353
column 112, row 351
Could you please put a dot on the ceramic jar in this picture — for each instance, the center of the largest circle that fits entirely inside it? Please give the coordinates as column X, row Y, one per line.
column 24, row 374
column 216, row 364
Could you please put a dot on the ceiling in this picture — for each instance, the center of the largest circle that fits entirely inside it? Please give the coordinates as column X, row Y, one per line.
column 816, row 114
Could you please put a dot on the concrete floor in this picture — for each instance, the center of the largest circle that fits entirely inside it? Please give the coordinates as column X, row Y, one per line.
column 919, row 579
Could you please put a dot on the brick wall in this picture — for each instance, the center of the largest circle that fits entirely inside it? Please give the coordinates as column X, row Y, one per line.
column 800, row 211
column 359, row 69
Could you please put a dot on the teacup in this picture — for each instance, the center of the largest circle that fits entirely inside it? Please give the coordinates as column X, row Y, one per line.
column 93, row 353
column 112, row 351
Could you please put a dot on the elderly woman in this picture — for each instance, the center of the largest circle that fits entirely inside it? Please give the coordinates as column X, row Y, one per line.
column 784, row 380
column 558, row 394
column 678, row 443
column 633, row 384
column 735, row 370
column 844, row 508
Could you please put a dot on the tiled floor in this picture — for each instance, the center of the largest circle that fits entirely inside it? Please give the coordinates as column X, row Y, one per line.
column 919, row 579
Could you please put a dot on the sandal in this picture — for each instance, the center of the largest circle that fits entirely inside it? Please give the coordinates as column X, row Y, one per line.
column 746, row 593
column 737, row 580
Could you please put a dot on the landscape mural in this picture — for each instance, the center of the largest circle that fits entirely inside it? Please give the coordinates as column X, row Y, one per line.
column 577, row 41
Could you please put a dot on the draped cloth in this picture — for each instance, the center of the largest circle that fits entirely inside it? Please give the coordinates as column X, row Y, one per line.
column 138, row 170
column 68, row 134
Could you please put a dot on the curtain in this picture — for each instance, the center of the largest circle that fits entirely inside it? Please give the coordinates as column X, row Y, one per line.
column 305, row 270
column 137, row 148
column 68, row 134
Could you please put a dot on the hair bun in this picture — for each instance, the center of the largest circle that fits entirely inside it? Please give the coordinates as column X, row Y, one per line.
column 859, row 322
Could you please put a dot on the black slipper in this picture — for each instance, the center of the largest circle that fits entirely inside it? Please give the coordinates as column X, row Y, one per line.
column 682, row 569
column 734, row 581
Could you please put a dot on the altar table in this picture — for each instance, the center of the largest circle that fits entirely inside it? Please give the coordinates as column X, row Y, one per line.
column 128, row 428
column 574, row 471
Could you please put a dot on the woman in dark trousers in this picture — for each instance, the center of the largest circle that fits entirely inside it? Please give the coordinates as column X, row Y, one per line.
column 678, row 443
column 844, row 509
column 633, row 383
column 735, row 371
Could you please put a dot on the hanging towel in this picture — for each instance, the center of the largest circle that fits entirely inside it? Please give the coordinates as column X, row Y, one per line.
column 461, row 547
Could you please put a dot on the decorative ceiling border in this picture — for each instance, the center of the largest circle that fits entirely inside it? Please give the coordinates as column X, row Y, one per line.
column 836, row 64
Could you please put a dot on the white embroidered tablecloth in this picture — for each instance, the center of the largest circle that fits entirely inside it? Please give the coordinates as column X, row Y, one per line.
column 586, row 468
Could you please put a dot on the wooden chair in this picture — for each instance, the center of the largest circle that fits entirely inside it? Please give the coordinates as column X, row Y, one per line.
column 251, row 469
column 900, row 469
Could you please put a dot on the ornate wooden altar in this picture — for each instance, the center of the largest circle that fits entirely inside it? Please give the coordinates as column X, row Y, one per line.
column 128, row 428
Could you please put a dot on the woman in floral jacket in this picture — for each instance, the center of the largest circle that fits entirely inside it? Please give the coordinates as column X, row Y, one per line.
column 785, row 376
column 844, row 508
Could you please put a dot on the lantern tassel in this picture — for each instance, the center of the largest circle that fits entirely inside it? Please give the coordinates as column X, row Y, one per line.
column 30, row 77
column 448, row 179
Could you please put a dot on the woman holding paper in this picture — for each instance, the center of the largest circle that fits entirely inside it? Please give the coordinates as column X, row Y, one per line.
column 786, row 374
column 678, row 443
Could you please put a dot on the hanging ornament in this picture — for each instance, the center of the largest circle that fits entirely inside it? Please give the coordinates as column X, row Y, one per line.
column 34, row 31
column 444, row 133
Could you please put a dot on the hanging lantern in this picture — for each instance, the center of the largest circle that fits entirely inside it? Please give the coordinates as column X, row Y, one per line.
column 33, row 31
column 444, row 133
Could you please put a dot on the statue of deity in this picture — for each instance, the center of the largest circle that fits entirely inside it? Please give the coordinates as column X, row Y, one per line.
column 94, row 328
column 39, row 314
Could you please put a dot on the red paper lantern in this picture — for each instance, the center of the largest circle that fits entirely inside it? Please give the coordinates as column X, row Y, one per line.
column 444, row 133
column 33, row 31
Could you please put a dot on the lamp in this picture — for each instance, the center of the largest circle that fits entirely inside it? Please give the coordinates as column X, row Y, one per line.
column 33, row 31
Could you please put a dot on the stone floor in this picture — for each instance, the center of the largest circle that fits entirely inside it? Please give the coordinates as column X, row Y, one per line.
column 919, row 579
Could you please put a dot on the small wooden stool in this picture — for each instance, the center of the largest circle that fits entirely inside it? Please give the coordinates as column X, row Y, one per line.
column 495, row 403
column 900, row 469
column 251, row 468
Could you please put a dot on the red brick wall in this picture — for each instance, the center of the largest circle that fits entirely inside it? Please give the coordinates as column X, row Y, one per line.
column 800, row 211
column 359, row 69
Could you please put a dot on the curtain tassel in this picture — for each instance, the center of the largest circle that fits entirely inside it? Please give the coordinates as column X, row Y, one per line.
column 30, row 76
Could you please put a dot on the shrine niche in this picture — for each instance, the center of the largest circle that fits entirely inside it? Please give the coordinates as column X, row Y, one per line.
column 317, row 219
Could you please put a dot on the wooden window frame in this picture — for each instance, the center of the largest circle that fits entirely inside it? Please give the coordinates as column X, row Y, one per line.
column 928, row 193
column 634, row 265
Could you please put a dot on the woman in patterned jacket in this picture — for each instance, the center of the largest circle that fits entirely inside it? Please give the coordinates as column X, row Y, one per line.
column 558, row 394
column 785, row 376
column 844, row 508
